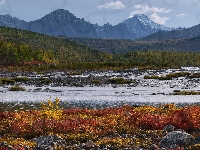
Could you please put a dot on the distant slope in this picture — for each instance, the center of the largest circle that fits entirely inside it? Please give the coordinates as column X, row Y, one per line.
column 174, row 34
column 118, row 46
column 188, row 45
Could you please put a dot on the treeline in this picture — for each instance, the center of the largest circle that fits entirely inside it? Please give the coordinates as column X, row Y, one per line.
column 142, row 60
column 161, row 58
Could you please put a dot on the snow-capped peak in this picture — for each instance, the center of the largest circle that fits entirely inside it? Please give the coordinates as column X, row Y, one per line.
column 143, row 26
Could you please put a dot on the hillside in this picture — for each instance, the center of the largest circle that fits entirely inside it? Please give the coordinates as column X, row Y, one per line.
column 118, row 46
column 25, row 50
column 174, row 34
column 20, row 46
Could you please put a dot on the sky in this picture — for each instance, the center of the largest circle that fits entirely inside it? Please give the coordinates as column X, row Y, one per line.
column 170, row 13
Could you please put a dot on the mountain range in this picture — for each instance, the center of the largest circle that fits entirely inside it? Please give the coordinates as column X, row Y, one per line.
column 62, row 22
column 147, row 35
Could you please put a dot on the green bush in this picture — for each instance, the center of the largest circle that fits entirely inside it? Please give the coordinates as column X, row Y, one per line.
column 178, row 74
column 187, row 93
column 16, row 88
column 195, row 75
column 96, row 81
column 157, row 77
column 7, row 81
column 120, row 81
column 45, row 81
column 165, row 78
column 151, row 77
column 20, row 79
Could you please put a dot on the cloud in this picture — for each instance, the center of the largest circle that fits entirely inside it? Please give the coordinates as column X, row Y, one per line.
column 182, row 15
column 142, row 9
column 156, row 18
column 112, row 5
column 2, row 1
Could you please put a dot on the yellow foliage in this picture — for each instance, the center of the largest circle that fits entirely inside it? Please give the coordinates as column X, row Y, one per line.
column 51, row 109
column 14, row 142
column 195, row 147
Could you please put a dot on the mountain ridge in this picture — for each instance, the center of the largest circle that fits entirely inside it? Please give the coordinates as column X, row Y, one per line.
column 62, row 22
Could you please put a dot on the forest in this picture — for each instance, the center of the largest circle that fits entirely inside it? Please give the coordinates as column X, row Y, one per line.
column 125, row 45
column 23, row 50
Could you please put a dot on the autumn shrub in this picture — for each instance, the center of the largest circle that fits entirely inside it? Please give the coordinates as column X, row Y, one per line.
column 80, row 125
column 51, row 110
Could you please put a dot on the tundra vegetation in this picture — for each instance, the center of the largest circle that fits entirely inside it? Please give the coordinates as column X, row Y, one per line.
column 142, row 125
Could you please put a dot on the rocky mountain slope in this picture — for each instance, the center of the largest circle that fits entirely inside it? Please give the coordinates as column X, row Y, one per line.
column 142, row 26
column 62, row 22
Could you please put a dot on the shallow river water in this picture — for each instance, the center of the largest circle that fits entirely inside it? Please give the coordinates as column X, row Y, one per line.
column 93, row 97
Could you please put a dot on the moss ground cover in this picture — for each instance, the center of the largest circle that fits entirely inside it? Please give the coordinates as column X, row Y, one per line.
column 125, row 126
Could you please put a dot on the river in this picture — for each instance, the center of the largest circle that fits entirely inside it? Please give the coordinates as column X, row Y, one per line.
column 94, row 97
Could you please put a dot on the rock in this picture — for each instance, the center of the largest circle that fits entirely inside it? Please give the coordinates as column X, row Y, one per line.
column 49, row 142
column 169, row 128
column 82, row 145
column 197, row 140
column 104, row 147
column 153, row 147
column 176, row 91
column 49, row 148
column 153, row 94
column 89, row 144
column 3, row 143
column 176, row 139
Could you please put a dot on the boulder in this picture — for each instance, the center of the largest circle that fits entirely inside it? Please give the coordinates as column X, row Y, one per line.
column 176, row 139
